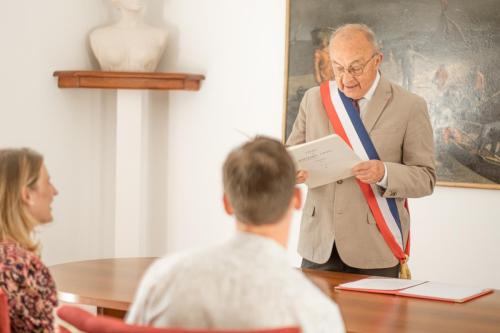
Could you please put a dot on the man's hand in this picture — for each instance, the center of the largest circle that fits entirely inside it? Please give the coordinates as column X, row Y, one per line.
column 301, row 176
column 369, row 172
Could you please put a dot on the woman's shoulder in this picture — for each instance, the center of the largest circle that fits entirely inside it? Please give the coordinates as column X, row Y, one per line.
column 29, row 287
column 15, row 258
column 11, row 250
column 23, row 270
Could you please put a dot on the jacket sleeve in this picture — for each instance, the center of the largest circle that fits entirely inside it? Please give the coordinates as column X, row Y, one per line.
column 298, row 134
column 415, row 176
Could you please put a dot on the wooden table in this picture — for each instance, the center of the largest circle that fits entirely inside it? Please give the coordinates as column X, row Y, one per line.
column 367, row 312
column 110, row 284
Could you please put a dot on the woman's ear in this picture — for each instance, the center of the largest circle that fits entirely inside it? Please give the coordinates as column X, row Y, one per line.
column 227, row 205
column 26, row 196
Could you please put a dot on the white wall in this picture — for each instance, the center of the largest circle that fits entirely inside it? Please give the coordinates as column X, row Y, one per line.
column 67, row 126
column 239, row 46
column 456, row 236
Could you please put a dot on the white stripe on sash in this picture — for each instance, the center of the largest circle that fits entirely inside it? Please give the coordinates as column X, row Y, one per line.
column 360, row 150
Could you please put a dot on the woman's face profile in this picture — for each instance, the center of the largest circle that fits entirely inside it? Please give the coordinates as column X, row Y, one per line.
column 40, row 197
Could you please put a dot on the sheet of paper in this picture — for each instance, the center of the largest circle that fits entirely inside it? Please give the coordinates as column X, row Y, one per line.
column 327, row 160
column 382, row 284
column 443, row 291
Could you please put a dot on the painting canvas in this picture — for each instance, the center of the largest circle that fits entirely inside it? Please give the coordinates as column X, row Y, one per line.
column 446, row 51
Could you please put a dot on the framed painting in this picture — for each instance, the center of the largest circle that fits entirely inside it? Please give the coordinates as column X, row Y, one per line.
column 443, row 50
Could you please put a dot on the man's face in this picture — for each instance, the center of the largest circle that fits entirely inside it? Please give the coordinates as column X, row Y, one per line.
column 351, row 53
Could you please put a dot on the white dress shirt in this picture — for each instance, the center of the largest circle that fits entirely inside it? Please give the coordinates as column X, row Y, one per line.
column 368, row 96
column 246, row 283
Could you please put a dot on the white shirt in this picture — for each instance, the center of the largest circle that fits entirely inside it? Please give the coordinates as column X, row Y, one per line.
column 363, row 102
column 368, row 96
column 246, row 283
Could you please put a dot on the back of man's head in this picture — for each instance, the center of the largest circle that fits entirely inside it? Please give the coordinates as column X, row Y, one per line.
column 259, row 181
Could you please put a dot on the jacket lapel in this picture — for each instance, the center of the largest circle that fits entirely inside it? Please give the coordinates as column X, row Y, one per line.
column 330, row 128
column 377, row 104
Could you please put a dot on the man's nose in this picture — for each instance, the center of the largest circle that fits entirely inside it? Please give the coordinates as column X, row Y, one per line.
column 348, row 78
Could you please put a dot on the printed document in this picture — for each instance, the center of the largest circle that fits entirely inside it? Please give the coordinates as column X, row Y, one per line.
column 327, row 160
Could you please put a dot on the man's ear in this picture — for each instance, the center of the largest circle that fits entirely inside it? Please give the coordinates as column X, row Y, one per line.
column 26, row 196
column 380, row 59
column 297, row 198
column 227, row 205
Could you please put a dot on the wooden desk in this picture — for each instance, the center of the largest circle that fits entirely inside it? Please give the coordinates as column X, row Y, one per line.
column 110, row 285
column 367, row 312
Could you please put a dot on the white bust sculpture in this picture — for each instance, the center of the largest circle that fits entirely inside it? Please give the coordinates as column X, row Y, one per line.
column 128, row 45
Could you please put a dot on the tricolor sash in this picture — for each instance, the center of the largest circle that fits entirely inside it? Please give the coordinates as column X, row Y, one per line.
column 347, row 123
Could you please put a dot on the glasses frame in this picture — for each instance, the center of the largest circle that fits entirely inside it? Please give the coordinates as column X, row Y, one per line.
column 350, row 70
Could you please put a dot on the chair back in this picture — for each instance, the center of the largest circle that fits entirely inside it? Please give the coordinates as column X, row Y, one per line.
column 4, row 313
column 89, row 323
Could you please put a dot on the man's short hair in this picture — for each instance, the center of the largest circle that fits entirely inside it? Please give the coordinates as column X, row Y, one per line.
column 259, row 180
column 357, row 27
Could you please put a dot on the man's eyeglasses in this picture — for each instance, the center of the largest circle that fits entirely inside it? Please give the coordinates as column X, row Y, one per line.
column 354, row 70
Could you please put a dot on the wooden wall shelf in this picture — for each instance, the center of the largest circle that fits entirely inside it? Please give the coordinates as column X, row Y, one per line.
column 128, row 80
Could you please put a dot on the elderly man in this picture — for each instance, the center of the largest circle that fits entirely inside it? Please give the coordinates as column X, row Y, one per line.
column 247, row 282
column 361, row 224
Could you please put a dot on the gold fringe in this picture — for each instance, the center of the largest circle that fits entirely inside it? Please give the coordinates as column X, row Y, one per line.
column 404, row 270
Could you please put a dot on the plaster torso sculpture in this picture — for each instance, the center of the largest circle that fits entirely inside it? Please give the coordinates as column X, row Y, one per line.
column 128, row 45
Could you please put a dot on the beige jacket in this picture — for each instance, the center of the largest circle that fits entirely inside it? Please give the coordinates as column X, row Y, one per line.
column 399, row 126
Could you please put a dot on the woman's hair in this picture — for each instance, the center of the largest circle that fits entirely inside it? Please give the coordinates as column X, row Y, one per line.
column 19, row 169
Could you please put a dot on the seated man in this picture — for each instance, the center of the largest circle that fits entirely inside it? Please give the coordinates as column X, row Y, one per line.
column 247, row 282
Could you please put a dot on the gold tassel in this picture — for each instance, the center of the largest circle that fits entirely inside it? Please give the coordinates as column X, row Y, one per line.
column 404, row 270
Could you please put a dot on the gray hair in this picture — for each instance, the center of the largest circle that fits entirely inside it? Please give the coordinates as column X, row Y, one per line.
column 357, row 27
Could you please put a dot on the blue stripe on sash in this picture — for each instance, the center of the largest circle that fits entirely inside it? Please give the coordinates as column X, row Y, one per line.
column 359, row 127
column 370, row 150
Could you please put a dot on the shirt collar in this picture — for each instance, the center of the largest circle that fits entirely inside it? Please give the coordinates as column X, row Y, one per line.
column 250, row 240
column 369, row 94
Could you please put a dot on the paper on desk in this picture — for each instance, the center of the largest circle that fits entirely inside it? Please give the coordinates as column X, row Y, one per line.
column 413, row 288
column 382, row 284
column 327, row 159
column 444, row 291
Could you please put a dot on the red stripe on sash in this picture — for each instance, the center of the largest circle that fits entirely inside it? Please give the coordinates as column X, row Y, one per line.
column 366, row 189
column 332, row 114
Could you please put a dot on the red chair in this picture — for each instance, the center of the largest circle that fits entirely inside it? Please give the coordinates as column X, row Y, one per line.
column 89, row 323
column 4, row 313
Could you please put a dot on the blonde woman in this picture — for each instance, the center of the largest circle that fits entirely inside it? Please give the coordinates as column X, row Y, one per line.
column 26, row 194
